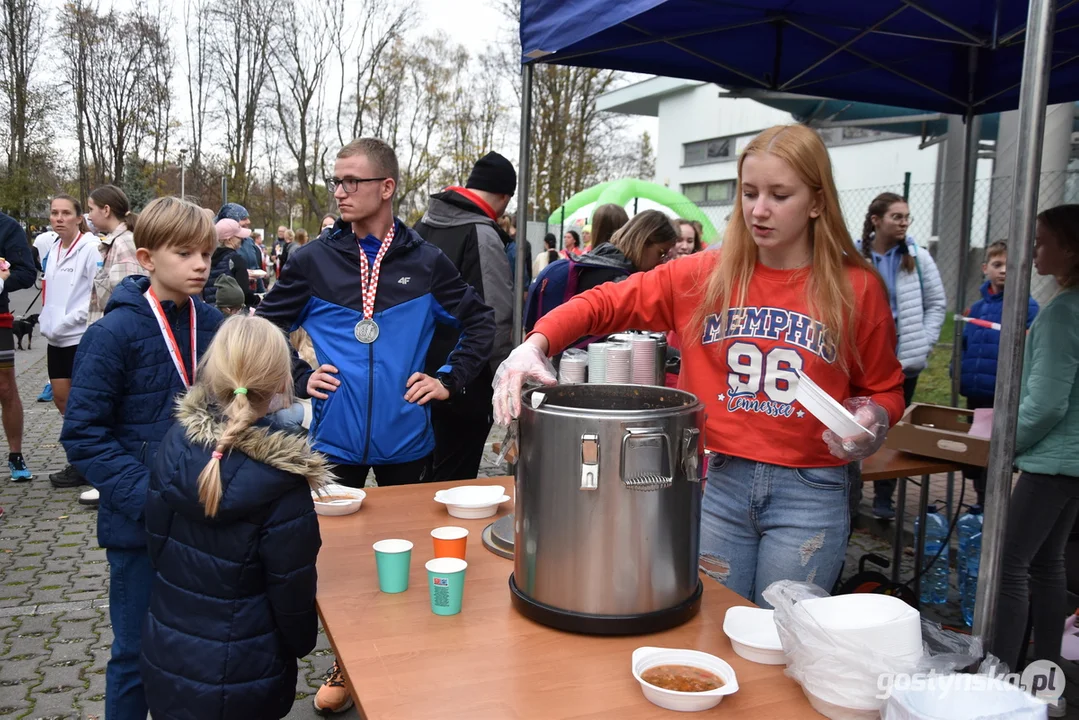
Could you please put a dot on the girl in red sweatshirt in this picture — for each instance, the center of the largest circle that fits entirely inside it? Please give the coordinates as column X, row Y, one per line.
column 788, row 293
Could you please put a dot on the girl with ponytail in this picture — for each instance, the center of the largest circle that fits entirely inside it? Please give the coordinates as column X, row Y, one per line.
column 110, row 212
column 233, row 494
column 915, row 294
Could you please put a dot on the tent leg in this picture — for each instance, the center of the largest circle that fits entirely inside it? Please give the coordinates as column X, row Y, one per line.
column 971, row 130
column 523, row 169
column 1032, row 99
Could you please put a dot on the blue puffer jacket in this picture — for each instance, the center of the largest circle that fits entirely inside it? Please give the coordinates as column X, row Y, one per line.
column 367, row 421
column 233, row 600
column 121, row 403
column 978, row 378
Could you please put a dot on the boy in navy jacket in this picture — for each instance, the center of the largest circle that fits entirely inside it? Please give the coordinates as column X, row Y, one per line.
column 130, row 366
column 978, row 372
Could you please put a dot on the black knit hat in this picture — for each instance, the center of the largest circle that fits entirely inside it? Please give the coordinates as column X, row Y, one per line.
column 493, row 173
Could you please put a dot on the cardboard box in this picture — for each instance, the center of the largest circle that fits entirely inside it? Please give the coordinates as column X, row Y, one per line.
column 938, row 431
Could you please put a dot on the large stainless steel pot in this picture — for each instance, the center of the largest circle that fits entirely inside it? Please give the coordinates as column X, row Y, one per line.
column 608, row 507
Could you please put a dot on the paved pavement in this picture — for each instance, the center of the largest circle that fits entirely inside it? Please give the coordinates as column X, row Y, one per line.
column 54, row 627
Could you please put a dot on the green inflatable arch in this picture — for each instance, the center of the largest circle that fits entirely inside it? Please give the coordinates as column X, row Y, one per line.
column 620, row 192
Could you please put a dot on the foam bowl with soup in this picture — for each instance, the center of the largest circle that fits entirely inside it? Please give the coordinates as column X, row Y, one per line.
column 337, row 499
column 683, row 680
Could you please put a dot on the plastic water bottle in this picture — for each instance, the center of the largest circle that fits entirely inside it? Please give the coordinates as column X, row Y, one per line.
column 969, row 525
column 935, row 580
column 970, row 587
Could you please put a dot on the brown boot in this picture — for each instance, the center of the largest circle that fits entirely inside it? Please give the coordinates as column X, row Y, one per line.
column 334, row 696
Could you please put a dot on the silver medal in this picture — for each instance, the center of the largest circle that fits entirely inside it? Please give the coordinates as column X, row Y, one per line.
column 366, row 331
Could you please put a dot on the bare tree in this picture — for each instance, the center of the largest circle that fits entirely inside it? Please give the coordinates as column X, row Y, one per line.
column 77, row 23
column 308, row 39
column 159, row 79
column 27, row 103
column 199, row 59
column 241, row 48
column 477, row 116
column 359, row 57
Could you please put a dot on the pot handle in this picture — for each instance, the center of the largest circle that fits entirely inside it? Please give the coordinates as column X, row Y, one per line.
column 691, row 453
column 647, row 481
column 589, row 462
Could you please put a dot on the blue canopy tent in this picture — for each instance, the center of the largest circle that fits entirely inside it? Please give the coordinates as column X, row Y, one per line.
column 965, row 57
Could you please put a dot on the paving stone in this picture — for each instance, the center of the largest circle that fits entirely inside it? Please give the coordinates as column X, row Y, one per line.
column 19, row 671
column 57, row 678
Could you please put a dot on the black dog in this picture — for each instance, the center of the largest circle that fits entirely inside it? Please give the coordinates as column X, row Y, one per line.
column 24, row 327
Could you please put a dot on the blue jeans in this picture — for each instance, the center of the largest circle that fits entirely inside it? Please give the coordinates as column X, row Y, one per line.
column 761, row 523
column 130, row 577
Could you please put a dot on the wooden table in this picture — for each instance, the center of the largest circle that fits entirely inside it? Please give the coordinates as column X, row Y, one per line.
column 490, row 663
column 888, row 464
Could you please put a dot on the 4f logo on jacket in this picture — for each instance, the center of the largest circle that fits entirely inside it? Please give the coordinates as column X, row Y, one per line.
column 404, row 281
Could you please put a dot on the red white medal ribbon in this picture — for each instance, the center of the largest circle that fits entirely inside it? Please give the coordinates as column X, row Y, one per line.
column 170, row 339
column 369, row 284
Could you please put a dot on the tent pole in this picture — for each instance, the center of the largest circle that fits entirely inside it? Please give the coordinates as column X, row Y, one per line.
column 523, row 169
column 1032, row 99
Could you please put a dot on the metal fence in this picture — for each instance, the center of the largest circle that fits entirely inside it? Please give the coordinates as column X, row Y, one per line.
column 935, row 211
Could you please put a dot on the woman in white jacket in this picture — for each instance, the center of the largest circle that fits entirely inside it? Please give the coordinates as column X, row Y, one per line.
column 69, row 281
column 917, row 297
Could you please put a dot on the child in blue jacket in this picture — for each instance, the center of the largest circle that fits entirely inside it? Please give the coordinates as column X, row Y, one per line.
column 978, row 374
column 233, row 537
column 130, row 366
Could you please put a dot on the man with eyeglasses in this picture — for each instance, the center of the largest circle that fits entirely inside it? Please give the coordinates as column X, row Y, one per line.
column 462, row 222
column 369, row 295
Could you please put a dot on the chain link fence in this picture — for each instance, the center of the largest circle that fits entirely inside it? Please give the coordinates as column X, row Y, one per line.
column 935, row 209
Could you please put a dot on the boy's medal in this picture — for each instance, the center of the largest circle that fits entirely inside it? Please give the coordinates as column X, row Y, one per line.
column 366, row 330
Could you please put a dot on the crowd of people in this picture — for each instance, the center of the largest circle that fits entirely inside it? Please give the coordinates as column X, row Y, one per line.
column 170, row 360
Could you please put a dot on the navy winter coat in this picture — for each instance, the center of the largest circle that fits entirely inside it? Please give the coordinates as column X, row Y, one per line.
column 15, row 249
column 978, row 377
column 367, row 421
column 121, row 403
column 233, row 601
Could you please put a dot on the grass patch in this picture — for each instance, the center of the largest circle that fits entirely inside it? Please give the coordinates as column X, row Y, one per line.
column 935, row 383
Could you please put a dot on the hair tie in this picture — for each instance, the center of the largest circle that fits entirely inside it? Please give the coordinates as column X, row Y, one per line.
column 240, row 391
column 216, row 455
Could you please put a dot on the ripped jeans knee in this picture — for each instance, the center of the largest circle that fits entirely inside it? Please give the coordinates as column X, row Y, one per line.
column 715, row 567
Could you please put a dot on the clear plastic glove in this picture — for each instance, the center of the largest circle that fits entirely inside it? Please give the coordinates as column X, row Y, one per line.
column 527, row 363
column 869, row 415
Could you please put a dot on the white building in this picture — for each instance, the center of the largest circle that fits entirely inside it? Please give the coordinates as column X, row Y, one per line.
column 703, row 128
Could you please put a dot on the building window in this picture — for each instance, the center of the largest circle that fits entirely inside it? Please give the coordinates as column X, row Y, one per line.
column 703, row 152
column 719, row 192
column 853, row 135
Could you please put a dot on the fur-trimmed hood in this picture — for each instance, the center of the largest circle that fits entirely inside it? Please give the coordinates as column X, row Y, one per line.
column 263, row 464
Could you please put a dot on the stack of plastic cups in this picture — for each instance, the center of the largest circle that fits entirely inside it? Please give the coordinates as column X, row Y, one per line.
column 597, row 362
column 644, row 360
column 573, row 368
column 619, row 363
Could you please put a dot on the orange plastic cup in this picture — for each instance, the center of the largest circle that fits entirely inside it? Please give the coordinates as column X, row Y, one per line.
column 450, row 541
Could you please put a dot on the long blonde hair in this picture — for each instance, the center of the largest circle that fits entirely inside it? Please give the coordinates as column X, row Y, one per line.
column 831, row 297
column 246, row 365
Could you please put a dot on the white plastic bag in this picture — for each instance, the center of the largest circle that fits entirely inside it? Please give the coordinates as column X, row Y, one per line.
column 843, row 677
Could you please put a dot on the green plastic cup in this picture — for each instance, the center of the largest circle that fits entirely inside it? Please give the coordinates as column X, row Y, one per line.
column 446, row 581
column 392, row 557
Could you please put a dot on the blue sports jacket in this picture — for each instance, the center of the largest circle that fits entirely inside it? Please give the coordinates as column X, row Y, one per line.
column 978, row 375
column 121, row 403
column 367, row 421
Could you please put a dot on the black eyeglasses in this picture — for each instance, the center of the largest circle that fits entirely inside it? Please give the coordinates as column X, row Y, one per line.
column 350, row 185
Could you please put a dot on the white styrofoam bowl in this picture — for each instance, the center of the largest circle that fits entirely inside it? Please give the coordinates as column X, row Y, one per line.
column 471, row 502
column 338, row 507
column 649, row 657
column 753, row 635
